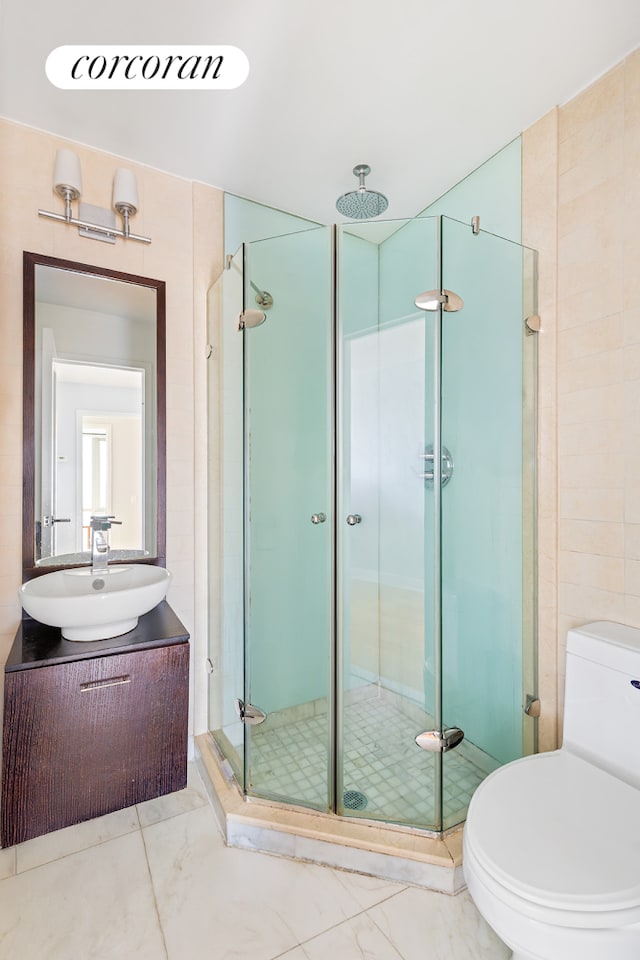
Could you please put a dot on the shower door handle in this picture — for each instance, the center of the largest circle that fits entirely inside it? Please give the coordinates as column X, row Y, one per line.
column 49, row 521
column 318, row 517
column 354, row 518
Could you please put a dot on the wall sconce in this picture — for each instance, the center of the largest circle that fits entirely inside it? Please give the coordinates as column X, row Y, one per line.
column 67, row 183
column 125, row 196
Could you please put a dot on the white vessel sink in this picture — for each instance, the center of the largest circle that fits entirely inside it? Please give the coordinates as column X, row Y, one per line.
column 90, row 606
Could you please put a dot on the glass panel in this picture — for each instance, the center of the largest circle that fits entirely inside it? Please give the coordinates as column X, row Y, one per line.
column 225, row 539
column 529, row 499
column 412, row 555
column 385, row 555
column 288, row 484
column 484, row 511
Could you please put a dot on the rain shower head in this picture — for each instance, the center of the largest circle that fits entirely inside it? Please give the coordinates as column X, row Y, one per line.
column 362, row 204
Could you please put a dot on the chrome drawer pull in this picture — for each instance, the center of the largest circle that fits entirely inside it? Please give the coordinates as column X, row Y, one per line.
column 97, row 684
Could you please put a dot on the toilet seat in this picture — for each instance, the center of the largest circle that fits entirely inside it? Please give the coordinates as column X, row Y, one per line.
column 558, row 838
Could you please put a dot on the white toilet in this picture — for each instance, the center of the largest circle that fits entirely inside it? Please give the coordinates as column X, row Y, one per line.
column 552, row 841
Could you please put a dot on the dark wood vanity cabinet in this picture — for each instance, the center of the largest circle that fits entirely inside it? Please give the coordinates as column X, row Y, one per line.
column 90, row 728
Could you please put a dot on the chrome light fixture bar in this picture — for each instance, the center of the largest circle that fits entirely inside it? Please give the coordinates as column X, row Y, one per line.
column 67, row 184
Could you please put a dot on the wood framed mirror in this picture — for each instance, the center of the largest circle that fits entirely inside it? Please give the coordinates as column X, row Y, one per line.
column 94, row 413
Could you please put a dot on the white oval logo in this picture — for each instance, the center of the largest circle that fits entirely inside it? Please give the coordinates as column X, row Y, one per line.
column 147, row 67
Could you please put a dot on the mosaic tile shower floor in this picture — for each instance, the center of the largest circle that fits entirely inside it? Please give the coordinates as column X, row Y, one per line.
column 381, row 760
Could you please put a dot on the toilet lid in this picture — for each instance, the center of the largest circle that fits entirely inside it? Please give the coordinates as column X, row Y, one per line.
column 560, row 832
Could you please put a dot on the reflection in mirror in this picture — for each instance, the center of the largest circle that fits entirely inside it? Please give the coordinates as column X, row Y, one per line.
column 94, row 417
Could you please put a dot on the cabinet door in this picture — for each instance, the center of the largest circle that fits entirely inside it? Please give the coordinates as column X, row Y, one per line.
column 82, row 739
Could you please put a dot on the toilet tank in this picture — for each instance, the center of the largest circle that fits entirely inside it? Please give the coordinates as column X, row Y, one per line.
column 602, row 698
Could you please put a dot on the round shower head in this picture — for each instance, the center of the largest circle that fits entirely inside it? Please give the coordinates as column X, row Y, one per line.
column 362, row 204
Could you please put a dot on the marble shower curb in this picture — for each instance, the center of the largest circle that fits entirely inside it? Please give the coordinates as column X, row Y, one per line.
column 389, row 852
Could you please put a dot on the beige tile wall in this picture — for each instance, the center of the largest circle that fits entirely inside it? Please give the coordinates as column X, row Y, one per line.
column 581, row 198
column 184, row 220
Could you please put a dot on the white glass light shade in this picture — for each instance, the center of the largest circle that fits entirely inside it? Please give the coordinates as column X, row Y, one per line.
column 66, row 174
column 125, row 191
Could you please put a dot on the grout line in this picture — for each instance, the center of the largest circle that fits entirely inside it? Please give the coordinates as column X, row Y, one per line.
column 153, row 889
column 379, row 928
column 364, row 911
column 71, row 853
column 171, row 816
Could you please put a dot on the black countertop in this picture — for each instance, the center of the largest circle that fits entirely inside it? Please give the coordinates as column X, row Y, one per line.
column 37, row 645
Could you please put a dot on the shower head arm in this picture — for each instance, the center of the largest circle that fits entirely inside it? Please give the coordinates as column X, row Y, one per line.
column 361, row 170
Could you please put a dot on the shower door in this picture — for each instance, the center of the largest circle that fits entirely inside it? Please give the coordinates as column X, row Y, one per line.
column 289, row 518
column 378, row 518
column 388, row 649
column 487, row 516
column 435, row 519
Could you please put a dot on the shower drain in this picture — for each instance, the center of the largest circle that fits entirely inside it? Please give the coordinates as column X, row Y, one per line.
column 354, row 800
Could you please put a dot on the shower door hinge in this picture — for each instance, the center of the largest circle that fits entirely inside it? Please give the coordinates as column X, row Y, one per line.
column 532, row 323
column 439, row 741
column 532, row 706
column 250, row 714
column 433, row 300
column 249, row 319
column 475, row 225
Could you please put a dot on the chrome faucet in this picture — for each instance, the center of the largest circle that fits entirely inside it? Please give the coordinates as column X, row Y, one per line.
column 100, row 525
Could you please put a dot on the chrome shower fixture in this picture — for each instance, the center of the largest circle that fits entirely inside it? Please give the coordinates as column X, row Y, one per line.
column 263, row 297
column 249, row 319
column 432, row 300
column 362, row 204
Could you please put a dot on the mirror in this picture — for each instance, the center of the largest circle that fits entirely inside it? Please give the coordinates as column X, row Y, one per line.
column 94, row 413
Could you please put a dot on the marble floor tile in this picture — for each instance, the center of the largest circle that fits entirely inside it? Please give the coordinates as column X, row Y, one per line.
column 94, row 905
column 110, row 889
column 356, row 939
column 173, row 804
column 218, row 902
column 81, row 836
column 423, row 925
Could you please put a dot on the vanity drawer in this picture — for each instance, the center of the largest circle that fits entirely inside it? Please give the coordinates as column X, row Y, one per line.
column 86, row 737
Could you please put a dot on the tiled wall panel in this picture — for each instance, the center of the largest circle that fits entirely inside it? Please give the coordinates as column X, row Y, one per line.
column 595, row 373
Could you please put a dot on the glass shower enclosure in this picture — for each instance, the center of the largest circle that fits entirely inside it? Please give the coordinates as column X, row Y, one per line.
column 375, row 650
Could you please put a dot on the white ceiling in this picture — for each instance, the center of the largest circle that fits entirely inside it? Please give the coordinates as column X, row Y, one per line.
column 421, row 91
column 84, row 291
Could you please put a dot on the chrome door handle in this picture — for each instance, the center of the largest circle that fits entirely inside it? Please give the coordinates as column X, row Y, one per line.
column 318, row 517
column 354, row 518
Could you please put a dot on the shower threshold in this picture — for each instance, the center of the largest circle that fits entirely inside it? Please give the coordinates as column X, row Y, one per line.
column 391, row 852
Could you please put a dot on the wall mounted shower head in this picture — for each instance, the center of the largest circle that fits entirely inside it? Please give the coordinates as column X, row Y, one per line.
column 362, row 204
